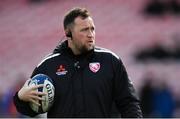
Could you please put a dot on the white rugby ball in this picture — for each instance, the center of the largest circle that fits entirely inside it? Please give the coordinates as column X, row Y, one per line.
column 48, row 88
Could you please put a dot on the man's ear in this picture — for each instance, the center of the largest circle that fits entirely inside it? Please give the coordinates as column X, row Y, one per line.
column 68, row 33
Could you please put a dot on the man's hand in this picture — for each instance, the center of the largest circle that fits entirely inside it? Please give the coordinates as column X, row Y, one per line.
column 30, row 93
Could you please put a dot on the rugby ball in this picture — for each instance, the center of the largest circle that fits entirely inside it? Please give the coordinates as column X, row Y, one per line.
column 48, row 88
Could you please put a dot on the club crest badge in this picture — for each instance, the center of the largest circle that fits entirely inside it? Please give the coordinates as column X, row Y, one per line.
column 94, row 67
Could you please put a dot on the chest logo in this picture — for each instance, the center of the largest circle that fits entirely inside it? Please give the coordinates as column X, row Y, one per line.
column 94, row 67
column 61, row 70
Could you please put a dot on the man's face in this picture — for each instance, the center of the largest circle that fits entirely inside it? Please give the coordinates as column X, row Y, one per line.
column 83, row 34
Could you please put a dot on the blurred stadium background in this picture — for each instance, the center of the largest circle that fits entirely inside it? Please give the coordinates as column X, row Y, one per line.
column 144, row 33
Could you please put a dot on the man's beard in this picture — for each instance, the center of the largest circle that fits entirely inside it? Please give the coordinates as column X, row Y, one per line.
column 85, row 49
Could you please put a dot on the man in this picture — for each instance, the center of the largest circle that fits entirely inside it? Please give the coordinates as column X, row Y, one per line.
column 87, row 79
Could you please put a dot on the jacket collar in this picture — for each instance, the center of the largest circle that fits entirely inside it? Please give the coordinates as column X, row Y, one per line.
column 64, row 49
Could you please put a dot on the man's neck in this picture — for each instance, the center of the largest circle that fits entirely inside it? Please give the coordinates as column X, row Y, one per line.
column 73, row 48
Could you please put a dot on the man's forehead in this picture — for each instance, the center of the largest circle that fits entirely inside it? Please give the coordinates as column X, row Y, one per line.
column 80, row 21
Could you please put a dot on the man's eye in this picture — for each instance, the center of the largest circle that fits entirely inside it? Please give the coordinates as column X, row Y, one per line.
column 86, row 29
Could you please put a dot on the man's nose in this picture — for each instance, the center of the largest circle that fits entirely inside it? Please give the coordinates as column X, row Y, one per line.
column 90, row 34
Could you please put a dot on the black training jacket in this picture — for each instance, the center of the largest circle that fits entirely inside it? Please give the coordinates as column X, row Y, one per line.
column 86, row 85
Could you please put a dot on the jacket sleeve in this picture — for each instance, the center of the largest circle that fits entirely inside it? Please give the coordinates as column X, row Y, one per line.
column 22, row 106
column 125, row 96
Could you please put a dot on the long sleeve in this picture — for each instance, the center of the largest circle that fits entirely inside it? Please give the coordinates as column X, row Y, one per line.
column 124, row 93
column 23, row 107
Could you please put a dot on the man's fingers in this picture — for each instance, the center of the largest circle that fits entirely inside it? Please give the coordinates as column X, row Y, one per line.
column 38, row 93
column 37, row 97
column 37, row 86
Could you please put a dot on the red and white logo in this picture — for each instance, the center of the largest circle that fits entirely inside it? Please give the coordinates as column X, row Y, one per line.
column 61, row 70
column 94, row 67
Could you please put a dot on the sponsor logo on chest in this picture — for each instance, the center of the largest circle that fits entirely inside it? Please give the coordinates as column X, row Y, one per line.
column 61, row 70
